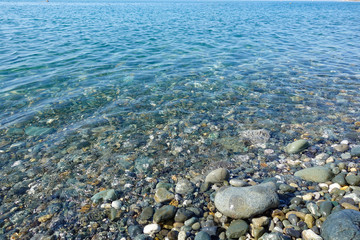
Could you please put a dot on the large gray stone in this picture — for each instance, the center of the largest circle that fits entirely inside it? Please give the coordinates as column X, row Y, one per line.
column 245, row 202
column 342, row 225
column 297, row 146
column 315, row 174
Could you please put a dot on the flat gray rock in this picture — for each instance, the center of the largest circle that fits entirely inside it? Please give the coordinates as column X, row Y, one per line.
column 245, row 202
column 315, row 174
column 342, row 225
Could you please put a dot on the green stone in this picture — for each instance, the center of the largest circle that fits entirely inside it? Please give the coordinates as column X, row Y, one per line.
column 164, row 213
column 237, row 229
column 315, row 174
column 353, row 179
column 104, row 195
column 297, row 146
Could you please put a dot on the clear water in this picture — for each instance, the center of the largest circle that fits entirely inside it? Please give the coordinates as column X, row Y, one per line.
column 136, row 67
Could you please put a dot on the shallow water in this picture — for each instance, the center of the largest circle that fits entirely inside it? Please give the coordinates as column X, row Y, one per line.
column 132, row 68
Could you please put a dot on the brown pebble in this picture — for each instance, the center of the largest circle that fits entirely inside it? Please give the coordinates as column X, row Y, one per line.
column 349, row 206
column 278, row 213
column 178, row 224
column 309, row 220
column 298, row 214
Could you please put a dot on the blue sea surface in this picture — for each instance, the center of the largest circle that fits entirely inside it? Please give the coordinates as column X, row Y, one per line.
column 78, row 62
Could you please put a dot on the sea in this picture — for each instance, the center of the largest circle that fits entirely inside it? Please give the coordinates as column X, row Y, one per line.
column 93, row 90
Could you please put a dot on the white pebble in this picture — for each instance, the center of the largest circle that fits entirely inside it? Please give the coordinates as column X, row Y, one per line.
column 344, row 142
column 16, row 163
column 116, row 204
column 323, row 186
column 333, row 186
column 182, row 235
column 105, row 205
column 310, row 235
column 152, row 228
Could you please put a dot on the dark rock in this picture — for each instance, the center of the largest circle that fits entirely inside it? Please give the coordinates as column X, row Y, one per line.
column 164, row 213
column 342, row 225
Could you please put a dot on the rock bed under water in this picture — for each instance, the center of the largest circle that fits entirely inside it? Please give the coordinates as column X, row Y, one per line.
column 163, row 184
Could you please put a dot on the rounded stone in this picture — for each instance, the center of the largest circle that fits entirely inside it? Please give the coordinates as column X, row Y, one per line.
column 163, row 195
column 245, row 202
column 297, row 146
column 217, row 176
column 152, row 228
column 184, row 186
column 315, row 174
column 164, row 213
column 237, row 229
column 342, row 225
column 202, row 236
column 116, row 204
column 352, row 179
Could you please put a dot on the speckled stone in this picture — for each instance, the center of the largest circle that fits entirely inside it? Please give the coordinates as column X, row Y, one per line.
column 342, row 225
column 184, row 186
column 245, row 202
column 163, row 195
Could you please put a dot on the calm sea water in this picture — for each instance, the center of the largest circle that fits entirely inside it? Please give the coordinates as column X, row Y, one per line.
column 67, row 67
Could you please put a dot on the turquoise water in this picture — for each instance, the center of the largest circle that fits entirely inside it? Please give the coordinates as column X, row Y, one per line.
column 132, row 66
column 137, row 67
column 97, row 95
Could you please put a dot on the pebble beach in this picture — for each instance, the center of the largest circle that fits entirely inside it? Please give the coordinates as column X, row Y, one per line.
column 179, row 121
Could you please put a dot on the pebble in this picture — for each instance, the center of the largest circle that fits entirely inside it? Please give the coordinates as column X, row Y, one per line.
column 236, row 182
column 310, row 235
column 163, row 195
column 342, row 225
column 315, row 174
column 217, row 176
column 182, row 235
column 164, row 213
column 334, row 186
column 184, row 186
column 341, row 147
column 147, row 213
column 297, row 146
column 116, row 204
column 152, row 228
column 325, row 208
column 314, row 209
column 202, row 236
column 352, row 179
column 237, row 229
column 245, row 202
column 309, row 220
column 104, row 195
column 355, row 151
column 260, row 221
